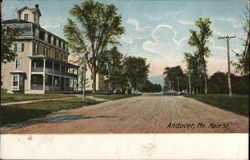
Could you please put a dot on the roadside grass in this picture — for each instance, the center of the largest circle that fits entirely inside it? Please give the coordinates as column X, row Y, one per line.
column 238, row 104
column 22, row 112
column 115, row 96
column 7, row 97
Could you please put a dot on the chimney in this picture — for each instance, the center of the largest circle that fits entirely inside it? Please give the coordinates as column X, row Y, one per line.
column 37, row 6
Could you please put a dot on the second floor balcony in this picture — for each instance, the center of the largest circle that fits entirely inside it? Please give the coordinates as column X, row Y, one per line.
column 52, row 67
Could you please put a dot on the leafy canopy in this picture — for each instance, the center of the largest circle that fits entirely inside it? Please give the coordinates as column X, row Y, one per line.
column 9, row 35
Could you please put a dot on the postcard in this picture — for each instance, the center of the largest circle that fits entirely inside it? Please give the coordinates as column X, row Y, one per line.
column 122, row 79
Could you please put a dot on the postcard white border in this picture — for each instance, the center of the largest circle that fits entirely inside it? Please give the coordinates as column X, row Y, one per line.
column 125, row 146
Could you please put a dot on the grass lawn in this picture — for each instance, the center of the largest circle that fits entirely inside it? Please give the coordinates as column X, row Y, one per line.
column 238, row 104
column 22, row 112
column 6, row 97
column 115, row 96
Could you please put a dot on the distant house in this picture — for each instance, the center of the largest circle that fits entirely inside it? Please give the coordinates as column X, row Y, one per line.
column 100, row 86
column 41, row 65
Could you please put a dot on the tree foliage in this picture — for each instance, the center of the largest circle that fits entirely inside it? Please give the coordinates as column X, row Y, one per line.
column 198, row 40
column 171, row 76
column 150, row 87
column 9, row 35
column 136, row 71
column 95, row 27
column 242, row 66
column 195, row 71
column 113, row 68
column 217, row 83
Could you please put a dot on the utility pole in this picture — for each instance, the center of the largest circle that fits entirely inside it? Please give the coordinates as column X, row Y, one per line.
column 227, row 38
column 178, row 78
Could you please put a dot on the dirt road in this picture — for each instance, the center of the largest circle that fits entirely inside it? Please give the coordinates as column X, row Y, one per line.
column 144, row 114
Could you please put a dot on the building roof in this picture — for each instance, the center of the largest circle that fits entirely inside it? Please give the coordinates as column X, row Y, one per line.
column 36, row 9
column 15, row 21
column 24, row 21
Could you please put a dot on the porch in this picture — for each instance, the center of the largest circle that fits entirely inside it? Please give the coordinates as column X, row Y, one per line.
column 45, row 83
column 53, row 67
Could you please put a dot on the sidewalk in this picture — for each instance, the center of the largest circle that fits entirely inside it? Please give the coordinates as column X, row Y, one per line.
column 32, row 101
column 41, row 100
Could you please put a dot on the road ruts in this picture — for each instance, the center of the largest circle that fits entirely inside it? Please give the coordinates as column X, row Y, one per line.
column 143, row 114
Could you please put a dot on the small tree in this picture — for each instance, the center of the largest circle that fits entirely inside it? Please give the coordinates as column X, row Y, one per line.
column 171, row 77
column 9, row 35
column 198, row 40
column 242, row 66
column 136, row 71
column 112, row 67
column 194, row 71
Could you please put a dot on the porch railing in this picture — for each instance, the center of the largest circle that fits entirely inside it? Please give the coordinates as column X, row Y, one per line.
column 37, row 69
column 36, row 87
column 48, row 88
column 49, row 70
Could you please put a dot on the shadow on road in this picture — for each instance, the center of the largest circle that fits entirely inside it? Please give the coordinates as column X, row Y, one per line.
column 59, row 119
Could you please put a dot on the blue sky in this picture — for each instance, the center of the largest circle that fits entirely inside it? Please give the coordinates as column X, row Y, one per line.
column 157, row 30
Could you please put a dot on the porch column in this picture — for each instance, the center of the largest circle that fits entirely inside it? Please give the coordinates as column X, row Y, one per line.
column 65, row 70
column 60, row 83
column 44, row 67
column 60, row 69
column 53, row 75
column 73, row 79
column 65, row 84
column 77, row 82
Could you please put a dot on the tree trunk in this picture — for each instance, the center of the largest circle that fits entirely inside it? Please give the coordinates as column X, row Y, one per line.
column 110, row 87
column 205, row 75
column 205, row 78
column 94, row 82
column 189, row 84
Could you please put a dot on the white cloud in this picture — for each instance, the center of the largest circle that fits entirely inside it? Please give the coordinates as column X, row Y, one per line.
column 162, row 16
column 229, row 20
column 185, row 22
column 129, row 39
column 214, row 46
column 160, row 47
column 49, row 26
column 137, row 25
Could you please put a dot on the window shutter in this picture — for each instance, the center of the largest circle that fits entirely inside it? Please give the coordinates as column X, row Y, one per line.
column 22, row 47
column 15, row 47
column 34, row 48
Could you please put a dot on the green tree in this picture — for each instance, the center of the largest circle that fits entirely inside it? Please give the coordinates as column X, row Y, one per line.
column 198, row 40
column 136, row 71
column 97, row 25
column 217, row 83
column 194, row 71
column 9, row 35
column 242, row 66
column 150, row 87
column 112, row 68
column 171, row 77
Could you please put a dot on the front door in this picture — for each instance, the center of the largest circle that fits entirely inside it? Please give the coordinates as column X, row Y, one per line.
column 21, row 82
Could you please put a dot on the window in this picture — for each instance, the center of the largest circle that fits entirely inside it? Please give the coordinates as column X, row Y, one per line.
column 46, row 51
column 35, row 48
column 15, row 81
column 26, row 17
column 19, row 47
column 17, row 63
column 2, row 65
column 1, row 81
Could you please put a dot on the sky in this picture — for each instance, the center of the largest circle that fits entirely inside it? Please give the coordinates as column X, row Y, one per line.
column 156, row 29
